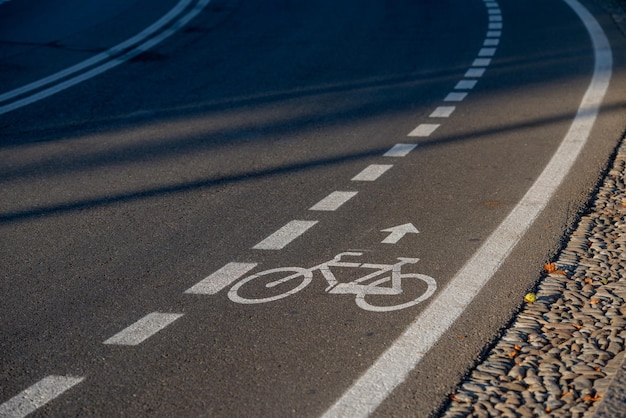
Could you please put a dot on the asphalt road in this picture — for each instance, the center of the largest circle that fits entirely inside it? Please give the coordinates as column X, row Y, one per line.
column 263, row 135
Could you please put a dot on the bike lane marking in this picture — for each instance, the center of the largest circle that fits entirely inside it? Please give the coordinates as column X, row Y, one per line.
column 281, row 238
column 395, row 364
column 37, row 395
column 333, row 201
column 220, row 279
column 372, row 172
column 143, row 329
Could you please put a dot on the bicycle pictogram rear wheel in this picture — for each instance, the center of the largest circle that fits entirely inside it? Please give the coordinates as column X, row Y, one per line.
column 424, row 288
column 270, row 285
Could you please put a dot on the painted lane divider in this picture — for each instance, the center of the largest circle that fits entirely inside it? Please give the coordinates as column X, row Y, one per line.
column 143, row 329
column 333, row 201
column 455, row 97
column 424, row 129
column 372, row 172
column 220, row 279
column 37, row 395
column 400, row 150
column 442, row 112
column 281, row 238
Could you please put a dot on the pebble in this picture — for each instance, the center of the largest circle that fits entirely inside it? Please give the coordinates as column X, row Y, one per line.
column 572, row 342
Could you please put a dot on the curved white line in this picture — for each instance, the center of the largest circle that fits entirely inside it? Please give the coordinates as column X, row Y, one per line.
column 110, row 54
column 394, row 365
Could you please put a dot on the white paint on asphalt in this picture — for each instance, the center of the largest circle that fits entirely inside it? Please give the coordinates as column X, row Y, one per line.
column 495, row 18
column 495, row 26
column 396, row 233
column 424, row 129
column 372, row 172
column 475, row 72
column 487, row 52
column 491, row 42
column 285, row 235
column 481, row 62
column 442, row 112
column 400, row 150
column 220, row 279
column 112, row 58
column 465, row 85
column 333, row 201
column 394, row 365
column 494, row 34
column 455, row 97
column 143, row 329
column 36, row 396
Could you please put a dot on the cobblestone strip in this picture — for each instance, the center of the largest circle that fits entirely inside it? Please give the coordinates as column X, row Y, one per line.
column 559, row 356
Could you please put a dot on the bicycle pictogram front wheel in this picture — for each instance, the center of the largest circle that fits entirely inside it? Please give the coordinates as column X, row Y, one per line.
column 412, row 284
column 270, row 285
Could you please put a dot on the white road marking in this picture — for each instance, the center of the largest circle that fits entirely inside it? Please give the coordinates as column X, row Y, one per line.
column 481, row 62
column 424, row 129
column 372, row 172
column 495, row 18
column 397, row 232
column 143, row 329
column 494, row 11
column 400, row 150
column 333, row 201
column 442, row 112
column 36, row 396
column 465, row 85
column 495, row 26
column 394, row 365
column 475, row 72
column 455, row 97
column 220, row 279
column 122, row 48
column 487, row 52
column 491, row 42
column 281, row 238
column 494, row 34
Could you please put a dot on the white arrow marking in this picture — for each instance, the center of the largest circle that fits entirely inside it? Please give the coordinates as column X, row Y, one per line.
column 397, row 232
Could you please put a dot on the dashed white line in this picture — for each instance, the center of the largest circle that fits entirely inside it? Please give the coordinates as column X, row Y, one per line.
column 465, row 85
column 333, row 201
column 424, row 129
column 400, row 150
column 495, row 18
column 220, row 279
column 475, row 72
column 494, row 34
column 493, row 26
column 481, row 62
column 455, row 97
column 372, row 172
column 285, row 235
column 487, row 52
column 491, row 42
column 143, row 329
column 36, row 396
column 442, row 112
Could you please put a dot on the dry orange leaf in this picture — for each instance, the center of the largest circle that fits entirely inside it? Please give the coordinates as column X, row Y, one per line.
column 588, row 281
column 513, row 353
column 453, row 398
column 594, row 301
column 577, row 326
column 548, row 409
column 594, row 398
column 517, row 347
column 550, row 268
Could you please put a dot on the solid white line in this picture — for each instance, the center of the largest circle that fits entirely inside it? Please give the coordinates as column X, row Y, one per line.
column 281, row 238
column 442, row 112
column 465, row 85
column 455, row 97
column 333, row 201
column 220, row 279
column 475, row 72
column 394, row 365
column 424, row 129
column 372, row 172
column 143, row 329
column 36, row 396
column 400, row 150
column 99, row 69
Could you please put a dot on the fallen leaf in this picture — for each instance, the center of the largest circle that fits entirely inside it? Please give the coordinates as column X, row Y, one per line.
column 594, row 398
column 577, row 326
column 530, row 297
column 550, row 268
column 589, row 281
column 453, row 398
column 517, row 347
column 594, row 301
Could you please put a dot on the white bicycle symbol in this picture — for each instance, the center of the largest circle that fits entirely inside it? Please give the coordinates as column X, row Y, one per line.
column 387, row 285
